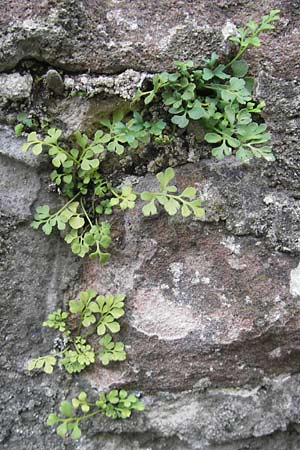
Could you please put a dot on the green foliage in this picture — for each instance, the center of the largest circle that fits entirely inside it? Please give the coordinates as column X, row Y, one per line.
column 101, row 310
column 46, row 363
column 57, row 320
column 125, row 199
column 67, row 215
column 82, row 306
column 89, row 315
column 96, row 314
column 25, row 123
column 171, row 201
column 77, row 173
column 92, row 241
column 117, row 404
column 248, row 35
column 112, row 351
column 134, row 132
column 218, row 98
column 78, row 359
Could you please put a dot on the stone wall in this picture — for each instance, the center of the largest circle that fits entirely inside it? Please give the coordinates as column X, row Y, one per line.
column 212, row 325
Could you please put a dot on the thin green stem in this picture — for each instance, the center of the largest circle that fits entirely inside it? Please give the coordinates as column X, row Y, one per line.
column 243, row 48
column 64, row 207
column 63, row 351
column 142, row 94
column 176, row 197
column 43, row 357
column 81, row 318
column 115, row 193
column 76, row 348
column 223, row 133
column 79, row 418
column 60, row 210
column 237, row 56
column 80, row 325
column 85, row 213
column 215, row 87
column 83, row 153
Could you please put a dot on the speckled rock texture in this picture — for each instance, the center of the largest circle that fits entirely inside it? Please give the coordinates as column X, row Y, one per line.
column 212, row 324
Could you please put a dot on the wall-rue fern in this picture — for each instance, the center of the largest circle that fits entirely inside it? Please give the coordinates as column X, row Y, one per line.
column 90, row 196
column 218, row 98
column 115, row 404
column 27, row 123
column 87, row 318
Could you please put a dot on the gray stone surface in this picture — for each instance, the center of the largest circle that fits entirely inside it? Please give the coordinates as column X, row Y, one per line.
column 123, row 85
column 34, row 273
column 15, row 86
column 10, row 146
column 112, row 36
column 81, row 113
column 115, row 35
column 54, row 82
column 212, row 324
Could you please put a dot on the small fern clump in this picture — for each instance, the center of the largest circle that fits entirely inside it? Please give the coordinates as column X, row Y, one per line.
column 87, row 317
column 91, row 197
column 219, row 98
column 87, row 331
column 116, row 404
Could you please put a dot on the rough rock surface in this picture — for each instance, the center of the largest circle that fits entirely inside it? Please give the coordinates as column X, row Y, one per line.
column 111, row 36
column 123, row 85
column 15, row 86
column 212, row 328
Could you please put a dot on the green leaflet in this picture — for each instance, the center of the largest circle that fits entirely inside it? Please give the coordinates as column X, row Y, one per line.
column 111, row 351
column 26, row 123
column 58, row 320
column 45, row 363
column 133, row 133
column 170, row 199
column 240, row 68
column 82, row 356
